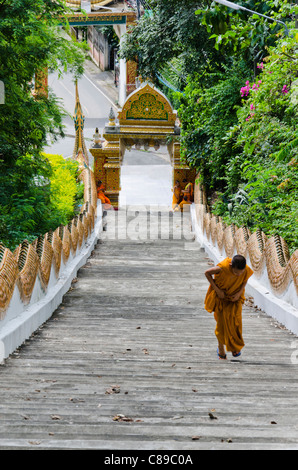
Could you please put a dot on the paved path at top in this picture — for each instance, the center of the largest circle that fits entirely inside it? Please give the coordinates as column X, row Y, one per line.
column 129, row 361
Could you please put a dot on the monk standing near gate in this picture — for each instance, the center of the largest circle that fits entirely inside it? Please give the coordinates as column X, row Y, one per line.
column 177, row 196
column 188, row 191
column 225, row 297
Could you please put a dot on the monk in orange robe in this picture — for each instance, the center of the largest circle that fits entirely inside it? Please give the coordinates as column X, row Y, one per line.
column 188, row 191
column 225, row 297
column 177, row 195
column 184, row 204
column 101, row 195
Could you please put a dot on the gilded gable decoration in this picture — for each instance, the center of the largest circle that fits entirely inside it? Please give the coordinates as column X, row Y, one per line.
column 147, row 105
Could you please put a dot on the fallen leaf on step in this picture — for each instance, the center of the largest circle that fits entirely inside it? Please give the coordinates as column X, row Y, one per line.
column 113, row 389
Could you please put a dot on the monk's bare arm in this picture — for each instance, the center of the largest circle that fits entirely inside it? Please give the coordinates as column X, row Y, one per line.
column 236, row 296
column 209, row 275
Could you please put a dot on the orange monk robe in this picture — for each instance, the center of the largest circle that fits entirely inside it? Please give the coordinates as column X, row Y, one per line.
column 176, row 196
column 228, row 314
column 189, row 192
column 100, row 195
column 185, row 205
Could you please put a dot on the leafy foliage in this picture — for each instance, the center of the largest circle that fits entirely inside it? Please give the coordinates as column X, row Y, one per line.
column 66, row 192
column 37, row 197
column 207, row 114
column 30, row 39
column 24, row 200
column 171, row 30
column 266, row 137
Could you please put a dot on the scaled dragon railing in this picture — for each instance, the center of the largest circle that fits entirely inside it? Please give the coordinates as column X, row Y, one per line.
column 271, row 254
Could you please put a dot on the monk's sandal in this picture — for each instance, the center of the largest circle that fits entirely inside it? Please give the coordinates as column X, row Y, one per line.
column 220, row 356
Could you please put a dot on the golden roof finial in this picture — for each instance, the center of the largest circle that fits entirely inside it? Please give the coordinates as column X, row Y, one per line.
column 80, row 148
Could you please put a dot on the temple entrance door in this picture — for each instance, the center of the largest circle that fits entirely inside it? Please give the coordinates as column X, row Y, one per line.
column 147, row 121
column 146, row 178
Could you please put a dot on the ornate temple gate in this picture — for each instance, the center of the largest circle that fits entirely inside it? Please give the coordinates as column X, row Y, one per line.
column 147, row 119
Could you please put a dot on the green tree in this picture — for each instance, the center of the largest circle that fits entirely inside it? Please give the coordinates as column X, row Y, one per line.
column 266, row 137
column 30, row 40
column 170, row 31
column 240, row 33
column 64, row 189
column 207, row 114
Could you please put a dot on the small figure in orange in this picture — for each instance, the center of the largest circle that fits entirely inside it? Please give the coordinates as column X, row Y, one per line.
column 184, row 205
column 188, row 191
column 101, row 195
column 177, row 195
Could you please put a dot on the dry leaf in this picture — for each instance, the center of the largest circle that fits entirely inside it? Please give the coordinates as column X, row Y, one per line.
column 113, row 389
column 56, row 417
column 122, row 418
column 196, row 438
column 211, row 416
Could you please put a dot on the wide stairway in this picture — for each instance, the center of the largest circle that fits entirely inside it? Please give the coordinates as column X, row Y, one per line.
column 129, row 359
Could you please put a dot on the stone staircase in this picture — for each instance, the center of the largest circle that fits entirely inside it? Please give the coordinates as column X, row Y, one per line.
column 129, row 362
